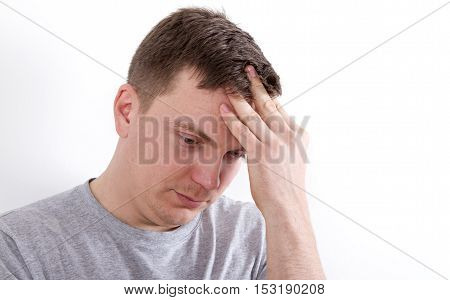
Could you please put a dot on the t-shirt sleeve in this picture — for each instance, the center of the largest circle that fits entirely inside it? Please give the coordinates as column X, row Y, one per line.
column 12, row 264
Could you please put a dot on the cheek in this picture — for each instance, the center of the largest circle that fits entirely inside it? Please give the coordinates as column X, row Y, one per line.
column 162, row 163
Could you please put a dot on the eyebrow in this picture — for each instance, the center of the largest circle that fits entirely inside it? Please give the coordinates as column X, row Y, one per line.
column 178, row 124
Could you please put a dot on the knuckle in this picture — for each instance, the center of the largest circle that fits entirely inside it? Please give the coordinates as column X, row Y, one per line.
column 269, row 104
column 255, row 117
column 239, row 129
column 257, row 84
column 275, row 100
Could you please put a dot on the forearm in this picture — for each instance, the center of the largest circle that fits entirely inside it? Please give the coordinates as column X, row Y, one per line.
column 291, row 246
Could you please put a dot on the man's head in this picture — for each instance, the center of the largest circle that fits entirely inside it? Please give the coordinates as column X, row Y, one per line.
column 172, row 138
column 207, row 41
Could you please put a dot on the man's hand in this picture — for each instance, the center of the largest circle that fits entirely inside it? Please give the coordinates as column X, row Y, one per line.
column 274, row 145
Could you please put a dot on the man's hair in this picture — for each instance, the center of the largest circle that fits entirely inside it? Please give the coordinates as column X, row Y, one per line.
column 206, row 41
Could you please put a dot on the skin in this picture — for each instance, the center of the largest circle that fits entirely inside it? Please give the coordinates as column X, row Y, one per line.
column 144, row 195
column 277, row 187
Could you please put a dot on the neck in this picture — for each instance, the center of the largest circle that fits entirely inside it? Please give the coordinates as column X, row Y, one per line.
column 115, row 191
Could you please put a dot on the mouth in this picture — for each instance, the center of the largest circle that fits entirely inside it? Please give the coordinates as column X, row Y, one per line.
column 188, row 198
column 188, row 201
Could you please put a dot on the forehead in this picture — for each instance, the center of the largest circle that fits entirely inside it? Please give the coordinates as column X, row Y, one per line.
column 199, row 106
column 191, row 99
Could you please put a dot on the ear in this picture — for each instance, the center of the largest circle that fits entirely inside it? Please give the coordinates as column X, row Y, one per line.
column 126, row 106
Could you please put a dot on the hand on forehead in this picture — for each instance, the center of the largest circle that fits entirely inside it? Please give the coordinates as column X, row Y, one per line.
column 197, row 108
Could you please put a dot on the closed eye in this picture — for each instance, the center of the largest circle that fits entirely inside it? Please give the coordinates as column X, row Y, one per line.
column 237, row 153
column 188, row 140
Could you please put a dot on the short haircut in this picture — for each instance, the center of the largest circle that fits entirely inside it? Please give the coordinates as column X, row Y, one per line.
column 206, row 41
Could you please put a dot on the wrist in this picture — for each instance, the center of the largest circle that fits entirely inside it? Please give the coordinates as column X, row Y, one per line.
column 287, row 212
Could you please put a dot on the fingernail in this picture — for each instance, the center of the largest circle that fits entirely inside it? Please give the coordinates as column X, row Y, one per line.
column 225, row 108
column 251, row 71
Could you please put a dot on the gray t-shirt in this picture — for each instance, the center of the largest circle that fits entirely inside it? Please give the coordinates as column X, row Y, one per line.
column 72, row 236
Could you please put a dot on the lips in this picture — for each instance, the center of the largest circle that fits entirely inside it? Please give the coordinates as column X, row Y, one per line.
column 188, row 201
column 189, row 198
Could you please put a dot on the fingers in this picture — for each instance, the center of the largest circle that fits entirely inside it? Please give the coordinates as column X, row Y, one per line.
column 287, row 118
column 299, row 133
column 239, row 130
column 265, row 105
column 250, row 117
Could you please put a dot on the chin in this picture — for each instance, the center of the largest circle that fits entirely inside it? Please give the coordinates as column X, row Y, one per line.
column 172, row 213
column 179, row 216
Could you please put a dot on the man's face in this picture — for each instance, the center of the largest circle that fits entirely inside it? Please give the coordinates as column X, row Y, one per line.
column 181, row 146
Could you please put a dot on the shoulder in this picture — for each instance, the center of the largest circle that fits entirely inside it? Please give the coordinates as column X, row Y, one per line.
column 27, row 231
column 48, row 214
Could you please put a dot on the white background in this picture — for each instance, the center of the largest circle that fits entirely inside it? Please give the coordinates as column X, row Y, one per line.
column 380, row 148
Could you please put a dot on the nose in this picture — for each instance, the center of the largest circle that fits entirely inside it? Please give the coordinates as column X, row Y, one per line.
column 207, row 174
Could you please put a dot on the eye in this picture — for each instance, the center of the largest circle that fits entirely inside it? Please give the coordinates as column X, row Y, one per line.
column 188, row 141
column 236, row 153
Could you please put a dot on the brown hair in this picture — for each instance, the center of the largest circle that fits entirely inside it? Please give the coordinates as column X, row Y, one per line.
column 208, row 42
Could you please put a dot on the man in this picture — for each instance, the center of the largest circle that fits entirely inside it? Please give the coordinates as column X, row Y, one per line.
column 200, row 97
